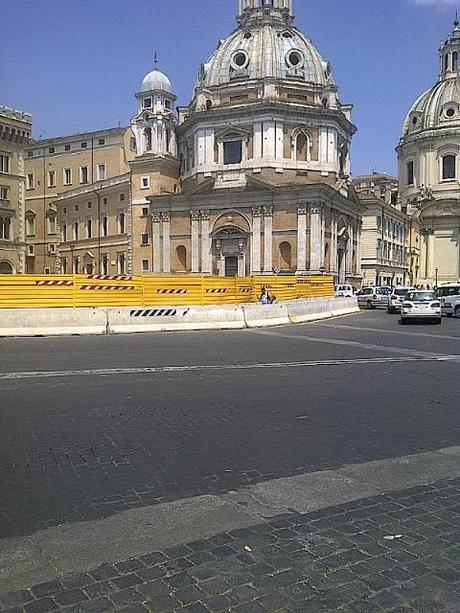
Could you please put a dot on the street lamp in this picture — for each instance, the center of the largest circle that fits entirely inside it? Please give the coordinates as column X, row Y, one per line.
column 436, row 270
column 72, row 249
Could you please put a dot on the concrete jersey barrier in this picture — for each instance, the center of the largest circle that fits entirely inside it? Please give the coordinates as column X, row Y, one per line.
column 125, row 320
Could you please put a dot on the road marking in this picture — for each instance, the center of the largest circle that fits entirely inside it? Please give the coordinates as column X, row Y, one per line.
column 209, row 367
column 406, row 333
column 348, row 343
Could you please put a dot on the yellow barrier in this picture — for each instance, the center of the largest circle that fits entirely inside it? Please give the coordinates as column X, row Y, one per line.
column 73, row 291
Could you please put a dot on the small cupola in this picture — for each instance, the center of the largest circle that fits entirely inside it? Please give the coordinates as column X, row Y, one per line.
column 450, row 54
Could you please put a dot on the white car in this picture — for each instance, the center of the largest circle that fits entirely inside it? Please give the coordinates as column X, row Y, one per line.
column 422, row 305
column 373, row 297
column 396, row 299
column 345, row 291
column 449, row 297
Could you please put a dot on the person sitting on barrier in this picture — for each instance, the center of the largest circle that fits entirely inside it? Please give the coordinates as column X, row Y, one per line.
column 272, row 298
column 264, row 296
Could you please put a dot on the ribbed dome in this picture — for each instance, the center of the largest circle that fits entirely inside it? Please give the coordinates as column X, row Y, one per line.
column 262, row 52
column 156, row 80
column 437, row 107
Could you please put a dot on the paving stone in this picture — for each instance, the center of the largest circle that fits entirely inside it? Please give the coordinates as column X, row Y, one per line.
column 43, row 605
column 70, row 597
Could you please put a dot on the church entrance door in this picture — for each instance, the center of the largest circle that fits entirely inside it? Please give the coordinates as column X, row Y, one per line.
column 231, row 266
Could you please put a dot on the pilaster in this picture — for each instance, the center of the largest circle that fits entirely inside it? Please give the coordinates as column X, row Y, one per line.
column 166, row 219
column 256, row 239
column 302, row 238
column 195, row 223
column 268, row 239
column 206, row 244
column 156, row 220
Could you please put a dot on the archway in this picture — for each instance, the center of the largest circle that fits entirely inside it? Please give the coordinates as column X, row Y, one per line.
column 181, row 253
column 6, row 268
column 230, row 246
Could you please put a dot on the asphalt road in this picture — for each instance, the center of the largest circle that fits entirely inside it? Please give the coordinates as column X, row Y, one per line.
column 164, row 417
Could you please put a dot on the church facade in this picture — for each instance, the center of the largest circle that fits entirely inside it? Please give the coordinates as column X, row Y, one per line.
column 253, row 176
column 429, row 171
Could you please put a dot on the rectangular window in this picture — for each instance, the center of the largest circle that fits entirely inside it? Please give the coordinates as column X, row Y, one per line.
column 145, row 211
column 66, row 147
column 105, row 226
column 30, row 181
column 104, row 201
column 4, row 162
column 5, row 225
column 233, row 152
column 121, row 223
column 76, row 231
column 89, row 228
column 67, row 176
column 449, row 170
column 30, row 154
column 52, row 224
column 101, row 172
column 167, row 104
column 51, row 150
column 84, row 145
column 3, row 193
column 145, row 182
column 121, row 264
column 64, row 266
column 30, row 226
column 47, row 271
column 145, row 239
column 122, row 197
column 31, row 250
column 410, row 173
column 145, row 265
column 147, row 103
column 51, row 178
column 101, row 142
column 64, row 232
column 84, row 174
column 132, row 143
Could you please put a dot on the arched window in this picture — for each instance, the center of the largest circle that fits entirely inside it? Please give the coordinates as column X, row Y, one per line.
column 285, row 256
column 302, row 147
column 6, row 268
column 449, row 164
column 446, row 62
column 181, row 253
column 168, row 140
column 121, row 223
column 455, row 60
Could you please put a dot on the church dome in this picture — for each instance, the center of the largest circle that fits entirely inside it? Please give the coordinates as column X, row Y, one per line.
column 156, row 81
column 265, row 46
column 439, row 107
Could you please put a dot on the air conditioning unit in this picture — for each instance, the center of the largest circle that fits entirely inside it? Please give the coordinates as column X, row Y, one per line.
column 52, row 248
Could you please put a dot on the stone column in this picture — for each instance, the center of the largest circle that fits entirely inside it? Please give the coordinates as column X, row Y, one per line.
column 423, row 245
column 334, row 243
column 255, row 246
column 316, row 248
column 350, row 246
column 359, row 230
column 206, row 257
column 430, row 255
column 301, row 238
column 166, row 218
column 195, row 223
column 268, row 239
column 156, row 219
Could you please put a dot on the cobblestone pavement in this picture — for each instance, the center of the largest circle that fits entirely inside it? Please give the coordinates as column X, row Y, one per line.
column 398, row 552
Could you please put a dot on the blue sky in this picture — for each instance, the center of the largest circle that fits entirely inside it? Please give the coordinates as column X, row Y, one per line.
column 76, row 64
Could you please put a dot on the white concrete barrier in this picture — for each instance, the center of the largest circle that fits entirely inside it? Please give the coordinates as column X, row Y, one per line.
column 302, row 311
column 259, row 315
column 52, row 322
column 164, row 319
column 56, row 322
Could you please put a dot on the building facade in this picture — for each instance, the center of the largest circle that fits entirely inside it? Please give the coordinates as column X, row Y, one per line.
column 429, row 171
column 15, row 133
column 253, row 177
column 79, row 165
column 264, row 164
column 385, row 233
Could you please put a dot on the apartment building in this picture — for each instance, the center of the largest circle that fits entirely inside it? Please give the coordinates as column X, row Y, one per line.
column 77, row 164
column 15, row 133
column 385, row 231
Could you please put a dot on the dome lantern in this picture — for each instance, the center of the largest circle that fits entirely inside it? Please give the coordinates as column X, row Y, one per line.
column 265, row 11
column 450, row 54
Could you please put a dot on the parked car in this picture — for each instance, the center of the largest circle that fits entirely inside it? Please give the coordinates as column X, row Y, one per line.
column 421, row 304
column 345, row 291
column 449, row 297
column 374, row 297
column 397, row 296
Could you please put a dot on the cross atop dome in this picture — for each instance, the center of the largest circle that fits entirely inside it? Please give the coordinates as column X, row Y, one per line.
column 263, row 11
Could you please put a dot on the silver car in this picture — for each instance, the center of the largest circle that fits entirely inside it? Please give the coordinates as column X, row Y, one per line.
column 374, row 297
column 422, row 305
column 396, row 299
